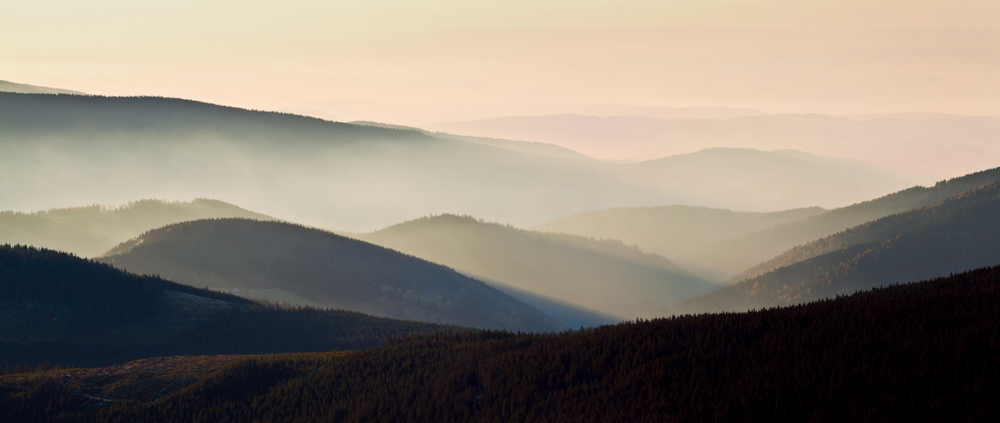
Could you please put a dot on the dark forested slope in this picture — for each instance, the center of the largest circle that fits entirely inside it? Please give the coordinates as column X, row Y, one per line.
column 918, row 352
column 952, row 236
column 602, row 275
column 91, row 230
column 754, row 248
column 322, row 267
column 59, row 308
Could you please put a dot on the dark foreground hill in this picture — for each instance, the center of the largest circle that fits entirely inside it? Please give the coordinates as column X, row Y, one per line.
column 602, row 275
column 918, row 352
column 59, row 308
column 324, row 268
column 91, row 230
column 955, row 235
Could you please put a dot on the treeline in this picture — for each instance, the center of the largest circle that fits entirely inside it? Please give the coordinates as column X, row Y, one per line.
column 916, row 352
column 58, row 308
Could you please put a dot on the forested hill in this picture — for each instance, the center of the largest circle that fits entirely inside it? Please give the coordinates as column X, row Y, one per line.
column 759, row 246
column 918, row 352
column 603, row 275
column 58, row 308
column 91, row 230
column 681, row 233
column 956, row 235
column 323, row 268
column 170, row 119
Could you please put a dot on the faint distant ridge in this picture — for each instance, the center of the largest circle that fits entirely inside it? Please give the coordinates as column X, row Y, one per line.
column 525, row 147
column 91, row 230
column 955, row 235
column 323, row 268
column 676, row 232
column 788, row 235
column 602, row 275
column 13, row 87
column 59, row 308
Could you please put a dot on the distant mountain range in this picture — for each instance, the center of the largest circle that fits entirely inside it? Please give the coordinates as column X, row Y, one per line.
column 91, row 230
column 722, row 244
column 84, row 149
column 920, row 145
column 955, row 235
column 605, row 276
column 237, row 255
column 57, row 308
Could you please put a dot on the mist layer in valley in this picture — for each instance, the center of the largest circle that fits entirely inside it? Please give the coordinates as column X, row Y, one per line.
column 63, row 149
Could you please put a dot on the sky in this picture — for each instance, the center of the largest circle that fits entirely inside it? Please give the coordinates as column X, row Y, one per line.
column 416, row 63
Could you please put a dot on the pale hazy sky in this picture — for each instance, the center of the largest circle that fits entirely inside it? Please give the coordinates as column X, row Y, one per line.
column 416, row 62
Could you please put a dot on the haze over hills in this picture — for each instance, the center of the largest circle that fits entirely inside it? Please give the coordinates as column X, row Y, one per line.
column 84, row 149
column 602, row 275
column 735, row 174
column 324, row 268
column 675, row 232
column 91, row 230
column 58, row 308
column 955, row 235
column 13, row 87
column 917, row 352
column 744, row 251
column 926, row 147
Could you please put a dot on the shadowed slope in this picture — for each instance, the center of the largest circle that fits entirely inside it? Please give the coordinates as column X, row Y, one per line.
column 771, row 242
column 322, row 267
column 955, row 235
column 602, row 275
column 917, row 352
column 58, row 308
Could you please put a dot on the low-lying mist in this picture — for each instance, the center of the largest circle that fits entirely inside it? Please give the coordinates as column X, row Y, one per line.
column 76, row 150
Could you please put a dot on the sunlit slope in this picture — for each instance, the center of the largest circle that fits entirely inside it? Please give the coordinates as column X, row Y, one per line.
column 958, row 234
column 605, row 276
column 917, row 352
column 324, row 268
column 57, row 308
column 676, row 232
column 749, row 254
column 61, row 149
column 91, row 230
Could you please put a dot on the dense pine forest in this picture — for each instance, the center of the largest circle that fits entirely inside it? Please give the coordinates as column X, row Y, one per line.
column 917, row 352
column 59, row 308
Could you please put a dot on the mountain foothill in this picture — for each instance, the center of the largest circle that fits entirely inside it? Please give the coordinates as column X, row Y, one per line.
column 322, row 267
column 726, row 284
